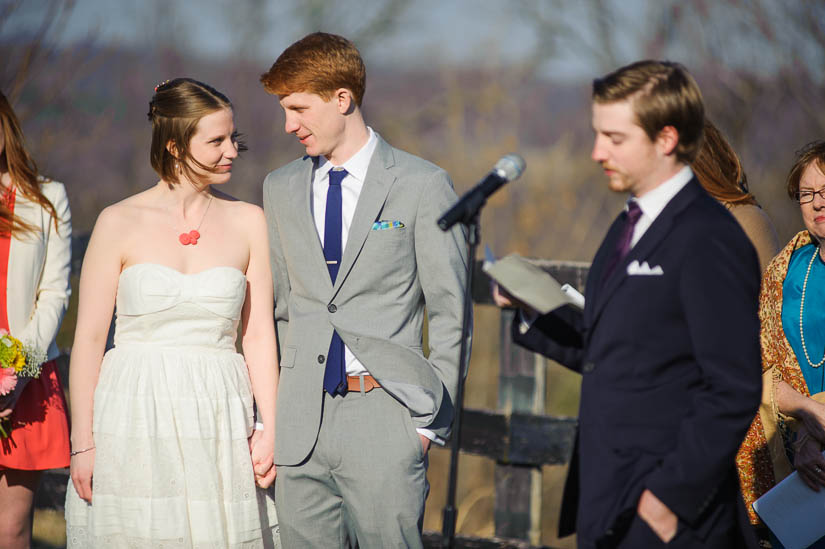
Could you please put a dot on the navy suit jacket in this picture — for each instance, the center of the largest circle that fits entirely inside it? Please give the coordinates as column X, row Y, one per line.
column 671, row 374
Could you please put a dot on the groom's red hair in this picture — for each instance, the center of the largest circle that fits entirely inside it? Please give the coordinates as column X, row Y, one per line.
column 318, row 63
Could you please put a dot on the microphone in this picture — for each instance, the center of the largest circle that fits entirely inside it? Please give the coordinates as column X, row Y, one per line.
column 508, row 168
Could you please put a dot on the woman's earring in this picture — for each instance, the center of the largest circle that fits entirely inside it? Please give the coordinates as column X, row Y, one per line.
column 177, row 166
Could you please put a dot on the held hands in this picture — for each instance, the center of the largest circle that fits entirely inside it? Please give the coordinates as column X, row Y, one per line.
column 81, row 468
column 657, row 515
column 262, row 452
column 808, row 460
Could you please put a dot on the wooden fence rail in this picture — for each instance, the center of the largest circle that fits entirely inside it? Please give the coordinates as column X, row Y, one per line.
column 518, row 436
column 517, row 439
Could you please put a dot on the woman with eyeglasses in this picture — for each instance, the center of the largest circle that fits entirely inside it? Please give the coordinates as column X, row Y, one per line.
column 789, row 432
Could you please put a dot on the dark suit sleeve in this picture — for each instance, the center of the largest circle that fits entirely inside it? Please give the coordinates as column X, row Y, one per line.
column 556, row 335
column 718, row 291
column 442, row 266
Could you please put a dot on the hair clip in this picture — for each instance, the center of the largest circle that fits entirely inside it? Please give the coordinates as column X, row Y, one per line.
column 162, row 84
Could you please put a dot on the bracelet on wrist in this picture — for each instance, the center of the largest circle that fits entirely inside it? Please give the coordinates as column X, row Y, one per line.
column 75, row 452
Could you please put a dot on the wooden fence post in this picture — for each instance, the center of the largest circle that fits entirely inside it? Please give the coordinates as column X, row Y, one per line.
column 518, row 487
column 522, row 381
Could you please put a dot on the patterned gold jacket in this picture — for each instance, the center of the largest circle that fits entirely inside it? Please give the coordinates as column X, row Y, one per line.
column 762, row 461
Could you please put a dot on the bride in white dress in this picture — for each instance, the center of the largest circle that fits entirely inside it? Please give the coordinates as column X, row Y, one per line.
column 161, row 425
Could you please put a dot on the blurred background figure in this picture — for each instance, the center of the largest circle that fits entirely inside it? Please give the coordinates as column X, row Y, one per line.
column 719, row 170
column 789, row 432
column 35, row 240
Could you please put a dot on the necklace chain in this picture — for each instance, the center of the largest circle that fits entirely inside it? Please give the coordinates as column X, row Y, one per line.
column 802, row 308
column 206, row 211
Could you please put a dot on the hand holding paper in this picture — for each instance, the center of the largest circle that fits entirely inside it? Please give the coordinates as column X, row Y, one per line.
column 527, row 284
column 793, row 512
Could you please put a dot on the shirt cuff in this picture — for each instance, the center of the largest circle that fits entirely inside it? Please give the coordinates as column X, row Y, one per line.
column 432, row 436
column 525, row 321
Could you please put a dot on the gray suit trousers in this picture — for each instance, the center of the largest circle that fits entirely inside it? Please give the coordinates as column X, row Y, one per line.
column 364, row 483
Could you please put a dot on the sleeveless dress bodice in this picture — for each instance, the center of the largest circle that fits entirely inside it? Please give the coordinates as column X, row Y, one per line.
column 161, row 307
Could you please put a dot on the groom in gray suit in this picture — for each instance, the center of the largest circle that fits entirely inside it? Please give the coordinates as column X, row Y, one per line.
column 356, row 257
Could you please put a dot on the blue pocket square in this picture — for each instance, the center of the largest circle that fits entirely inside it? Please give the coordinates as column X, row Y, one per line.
column 382, row 225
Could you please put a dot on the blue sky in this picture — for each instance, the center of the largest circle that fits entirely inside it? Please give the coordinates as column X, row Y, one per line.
column 576, row 40
column 468, row 32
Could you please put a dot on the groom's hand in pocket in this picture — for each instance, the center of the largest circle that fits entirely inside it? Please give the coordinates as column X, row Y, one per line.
column 425, row 443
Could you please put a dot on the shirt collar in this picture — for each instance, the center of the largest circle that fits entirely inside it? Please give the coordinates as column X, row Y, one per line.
column 653, row 202
column 358, row 163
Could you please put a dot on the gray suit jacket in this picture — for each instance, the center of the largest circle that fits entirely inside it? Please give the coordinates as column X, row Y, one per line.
column 378, row 301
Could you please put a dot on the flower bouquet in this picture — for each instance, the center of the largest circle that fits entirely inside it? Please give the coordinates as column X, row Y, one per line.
column 19, row 364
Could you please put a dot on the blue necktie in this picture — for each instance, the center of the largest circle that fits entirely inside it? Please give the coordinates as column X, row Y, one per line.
column 335, row 374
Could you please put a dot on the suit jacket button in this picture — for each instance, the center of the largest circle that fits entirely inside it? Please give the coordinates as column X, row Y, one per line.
column 332, row 308
column 321, row 359
column 588, row 367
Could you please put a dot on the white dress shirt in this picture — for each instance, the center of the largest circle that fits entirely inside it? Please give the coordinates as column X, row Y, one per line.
column 654, row 201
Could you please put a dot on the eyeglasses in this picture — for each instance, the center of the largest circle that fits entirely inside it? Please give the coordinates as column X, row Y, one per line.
column 804, row 197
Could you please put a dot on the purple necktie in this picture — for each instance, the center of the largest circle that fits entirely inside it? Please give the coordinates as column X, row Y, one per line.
column 631, row 217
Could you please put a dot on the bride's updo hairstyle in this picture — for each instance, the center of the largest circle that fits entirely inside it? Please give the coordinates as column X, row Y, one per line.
column 174, row 111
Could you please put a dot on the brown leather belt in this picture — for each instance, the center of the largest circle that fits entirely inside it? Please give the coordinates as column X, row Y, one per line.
column 354, row 383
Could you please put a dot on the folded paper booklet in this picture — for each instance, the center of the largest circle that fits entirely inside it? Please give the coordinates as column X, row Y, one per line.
column 530, row 284
column 793, row 512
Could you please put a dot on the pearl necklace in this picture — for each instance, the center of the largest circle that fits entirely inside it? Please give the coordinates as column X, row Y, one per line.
column 802, row 307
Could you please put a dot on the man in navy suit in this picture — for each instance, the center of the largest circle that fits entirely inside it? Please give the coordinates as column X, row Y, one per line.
column 668, row 342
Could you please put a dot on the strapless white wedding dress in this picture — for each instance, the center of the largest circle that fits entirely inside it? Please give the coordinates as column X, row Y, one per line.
column 172, row 415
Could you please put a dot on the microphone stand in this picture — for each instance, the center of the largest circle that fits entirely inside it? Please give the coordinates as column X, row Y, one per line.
column 450, row 512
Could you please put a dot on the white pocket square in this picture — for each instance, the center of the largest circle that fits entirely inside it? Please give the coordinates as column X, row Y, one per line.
column 644, row 269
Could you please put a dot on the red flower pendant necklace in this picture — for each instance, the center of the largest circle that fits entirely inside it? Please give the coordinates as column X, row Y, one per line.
column 192, row 236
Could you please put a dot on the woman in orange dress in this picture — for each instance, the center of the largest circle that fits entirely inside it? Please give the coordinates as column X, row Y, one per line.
column 35, row 254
